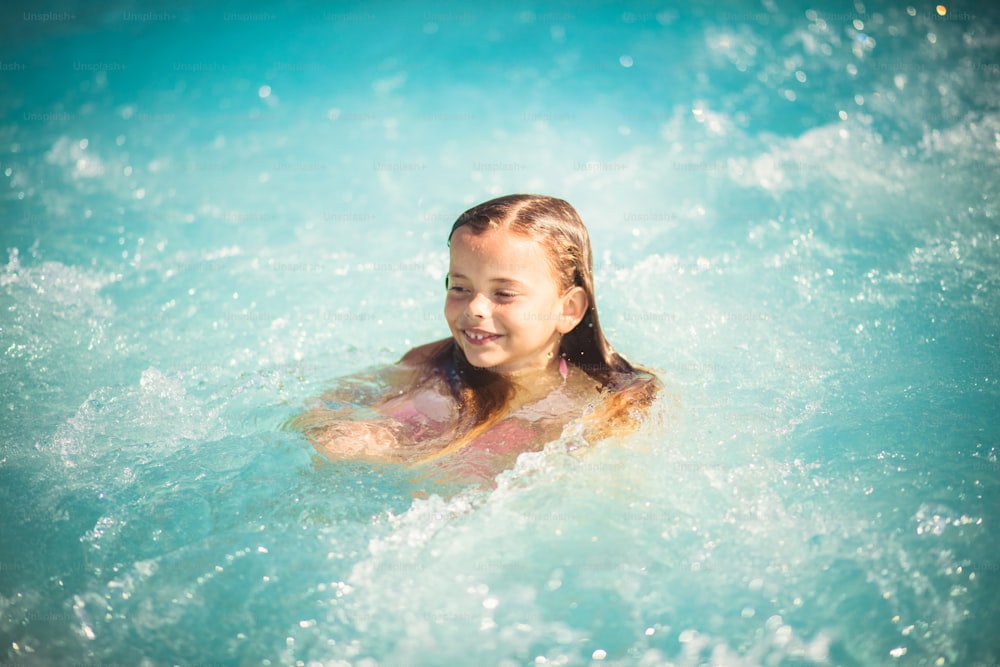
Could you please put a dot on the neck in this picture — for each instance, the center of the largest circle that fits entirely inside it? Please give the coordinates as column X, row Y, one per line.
column 534, row 383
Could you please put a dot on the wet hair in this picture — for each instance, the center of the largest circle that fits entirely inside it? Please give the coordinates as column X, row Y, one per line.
column 483, row 395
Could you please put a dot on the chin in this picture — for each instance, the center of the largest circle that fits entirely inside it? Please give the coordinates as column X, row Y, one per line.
column 479, row 362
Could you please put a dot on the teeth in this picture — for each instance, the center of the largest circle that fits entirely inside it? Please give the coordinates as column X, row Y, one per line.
column 476, row 336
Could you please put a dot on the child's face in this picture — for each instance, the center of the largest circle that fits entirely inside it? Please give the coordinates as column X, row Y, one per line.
column 503, row 306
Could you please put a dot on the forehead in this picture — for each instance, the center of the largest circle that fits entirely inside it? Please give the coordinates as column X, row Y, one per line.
column 499, row 253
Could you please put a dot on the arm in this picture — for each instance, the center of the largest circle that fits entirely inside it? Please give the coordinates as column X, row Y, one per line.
column 363, row 389
column 345, row 422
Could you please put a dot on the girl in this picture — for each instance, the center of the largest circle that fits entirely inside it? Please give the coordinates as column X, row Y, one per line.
column 526, row 356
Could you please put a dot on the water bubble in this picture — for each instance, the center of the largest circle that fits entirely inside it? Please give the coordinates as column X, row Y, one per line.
column 932, row 520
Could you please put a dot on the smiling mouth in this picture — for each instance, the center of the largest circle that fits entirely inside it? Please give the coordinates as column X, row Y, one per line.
column 479, row 337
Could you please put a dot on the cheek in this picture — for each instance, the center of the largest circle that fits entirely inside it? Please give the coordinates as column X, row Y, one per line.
column 515, row 319
column 452, row 309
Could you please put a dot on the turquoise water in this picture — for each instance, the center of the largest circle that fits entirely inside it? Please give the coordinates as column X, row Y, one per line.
column 210, row 213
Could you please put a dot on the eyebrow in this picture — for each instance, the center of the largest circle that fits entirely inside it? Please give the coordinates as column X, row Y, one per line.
column 503, row 281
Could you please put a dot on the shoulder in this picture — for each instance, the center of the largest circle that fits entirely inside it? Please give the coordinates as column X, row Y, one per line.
column 422, row 355
column 626, row 400
column 639, row 381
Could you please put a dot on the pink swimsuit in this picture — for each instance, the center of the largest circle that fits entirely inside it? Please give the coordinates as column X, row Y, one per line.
column 507, row 437
column 420, row 427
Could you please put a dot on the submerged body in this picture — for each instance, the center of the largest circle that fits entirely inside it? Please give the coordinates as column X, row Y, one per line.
column 420, row 426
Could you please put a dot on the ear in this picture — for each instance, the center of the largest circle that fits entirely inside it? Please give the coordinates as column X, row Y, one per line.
column 574, row 306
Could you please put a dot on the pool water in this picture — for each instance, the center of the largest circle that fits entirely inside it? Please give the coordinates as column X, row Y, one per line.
column 212, row 212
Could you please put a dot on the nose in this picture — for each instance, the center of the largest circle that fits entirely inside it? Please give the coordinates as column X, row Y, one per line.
column 478, row 307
